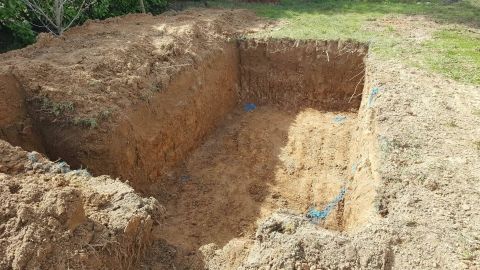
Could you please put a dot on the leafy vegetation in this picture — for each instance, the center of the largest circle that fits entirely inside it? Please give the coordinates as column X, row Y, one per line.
column 56, row 108
column 86, row 122
column 110, row 8
column 19, row 24
column 15, row 29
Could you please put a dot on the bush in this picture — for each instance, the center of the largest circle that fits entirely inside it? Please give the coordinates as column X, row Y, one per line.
column 16, row 19
column 15, row 28
column 109, row 8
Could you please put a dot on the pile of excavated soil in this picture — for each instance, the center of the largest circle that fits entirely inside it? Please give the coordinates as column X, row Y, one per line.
column 103, row 67
column 54, row 218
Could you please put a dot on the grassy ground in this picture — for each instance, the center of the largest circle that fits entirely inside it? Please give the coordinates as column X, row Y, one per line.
column 452, row 30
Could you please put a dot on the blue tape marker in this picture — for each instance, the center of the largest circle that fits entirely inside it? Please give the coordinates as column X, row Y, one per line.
column 248, row 107
column 339, row 119
column 315, row 214
column 373, row 94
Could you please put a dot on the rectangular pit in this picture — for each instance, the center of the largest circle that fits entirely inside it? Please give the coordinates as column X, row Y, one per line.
column 291, row 152
column 219, row 169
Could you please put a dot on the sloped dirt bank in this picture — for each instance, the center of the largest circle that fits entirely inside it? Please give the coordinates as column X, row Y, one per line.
column 151, row 139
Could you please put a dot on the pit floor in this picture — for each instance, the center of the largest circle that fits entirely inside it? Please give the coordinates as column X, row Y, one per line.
column 252, row 164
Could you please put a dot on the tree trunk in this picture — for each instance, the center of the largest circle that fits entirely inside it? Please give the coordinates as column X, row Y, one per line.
column 142, row 6
column 58, row 13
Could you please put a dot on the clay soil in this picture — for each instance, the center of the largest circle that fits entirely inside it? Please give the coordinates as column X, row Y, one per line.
column 253, row 164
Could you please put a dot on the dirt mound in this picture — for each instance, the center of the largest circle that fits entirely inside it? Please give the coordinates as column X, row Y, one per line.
column 55, row 218
column 96, row 69
column 99, row 76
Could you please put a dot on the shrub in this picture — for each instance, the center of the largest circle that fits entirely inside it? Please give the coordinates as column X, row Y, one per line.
column 15, row 27
column 16, row 19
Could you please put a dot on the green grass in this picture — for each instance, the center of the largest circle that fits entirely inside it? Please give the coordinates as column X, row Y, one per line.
column 452, row 49
column 456, row 54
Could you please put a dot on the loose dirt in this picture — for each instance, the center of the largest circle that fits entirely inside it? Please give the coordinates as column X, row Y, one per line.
column 55, row 218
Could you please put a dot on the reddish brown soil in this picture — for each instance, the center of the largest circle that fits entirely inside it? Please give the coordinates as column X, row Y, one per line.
column 54, row 219
column 297, row 74
column 142, row 97
column 16, row 126
column 255, row 163
column 105, row 79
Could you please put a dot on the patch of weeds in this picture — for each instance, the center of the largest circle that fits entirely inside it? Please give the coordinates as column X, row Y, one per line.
column 468, row 255
column 390, row 29
column 56, row 108
column 384, row 144
column 104, row 115
column 451, row 124
column 156, row 87
column 86, row 122
column 422, row 177
column 145, row 96
column 397, row 143
column 477, row 145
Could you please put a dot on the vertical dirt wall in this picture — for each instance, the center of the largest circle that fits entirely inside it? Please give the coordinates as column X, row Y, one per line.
column 361, row 196
column 326, row 75
column 16, row 126
column 151, row 137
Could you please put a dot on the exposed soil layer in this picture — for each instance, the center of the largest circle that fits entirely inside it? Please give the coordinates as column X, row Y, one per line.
column 325, row 75
column 158, row 102
column 153, row 138
column 216, row 183
column 16, row 126
column 89, row 89
column 254, row 163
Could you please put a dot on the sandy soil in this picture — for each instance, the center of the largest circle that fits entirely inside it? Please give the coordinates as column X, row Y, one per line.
column 428, row 164
column 255, row 163
column 54, row 218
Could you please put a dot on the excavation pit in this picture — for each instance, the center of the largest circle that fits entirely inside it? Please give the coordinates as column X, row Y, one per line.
column 219, row 168
column 286, row 144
